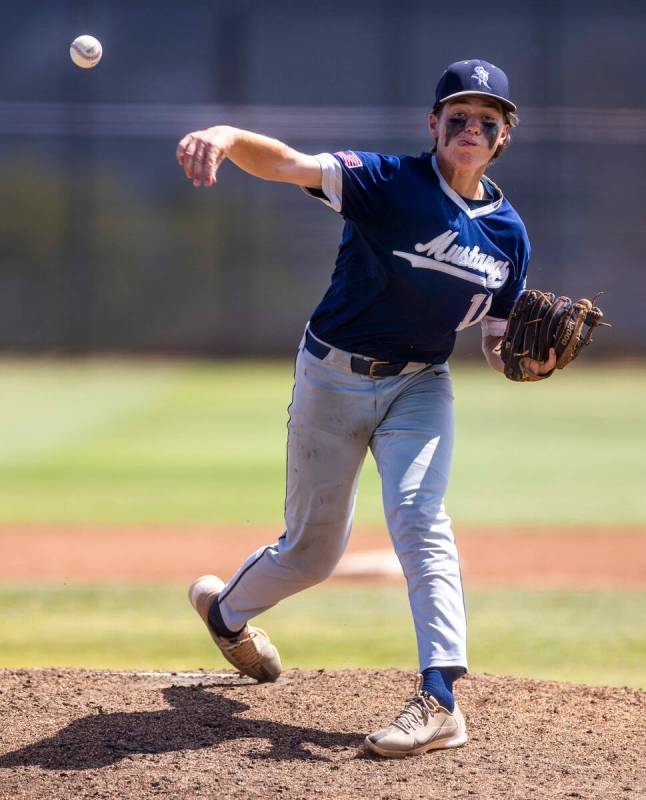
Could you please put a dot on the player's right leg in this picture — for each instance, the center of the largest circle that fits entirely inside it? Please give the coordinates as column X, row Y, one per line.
column 332, row 417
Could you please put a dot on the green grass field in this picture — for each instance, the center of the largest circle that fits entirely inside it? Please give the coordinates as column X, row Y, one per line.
column 591, row 636
column 182, row 443
column 205, row 442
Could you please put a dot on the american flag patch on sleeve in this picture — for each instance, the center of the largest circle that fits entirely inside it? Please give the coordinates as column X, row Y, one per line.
column 349, row 158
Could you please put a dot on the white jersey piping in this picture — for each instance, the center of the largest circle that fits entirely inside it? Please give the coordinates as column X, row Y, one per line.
column 472, row 213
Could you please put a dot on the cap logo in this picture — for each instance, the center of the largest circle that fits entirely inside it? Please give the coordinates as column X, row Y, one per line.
column 481, row 75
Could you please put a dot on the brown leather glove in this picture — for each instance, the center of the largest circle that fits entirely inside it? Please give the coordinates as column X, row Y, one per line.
column 540, row 321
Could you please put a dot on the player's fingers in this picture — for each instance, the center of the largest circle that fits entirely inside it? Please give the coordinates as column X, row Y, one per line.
column 531, row 369
column 186, row 148
column 540, row 368
column 550, row 364
column 534, row 370
column 525, row 365
column 189, row 152
column 210, row 168
column 198, row 162
column 181, row 148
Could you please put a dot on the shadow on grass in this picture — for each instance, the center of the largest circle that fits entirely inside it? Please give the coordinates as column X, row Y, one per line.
column 197, row 719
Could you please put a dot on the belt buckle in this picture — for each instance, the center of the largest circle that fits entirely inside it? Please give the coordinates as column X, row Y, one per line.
column 374, row 364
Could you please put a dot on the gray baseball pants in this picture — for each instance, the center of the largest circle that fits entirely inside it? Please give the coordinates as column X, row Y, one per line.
column 407, row 422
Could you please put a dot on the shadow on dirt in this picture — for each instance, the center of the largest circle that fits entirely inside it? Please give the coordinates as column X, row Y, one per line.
column 197, row 719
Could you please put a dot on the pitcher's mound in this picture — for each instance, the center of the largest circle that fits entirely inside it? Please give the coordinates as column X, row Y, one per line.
column 82, row 734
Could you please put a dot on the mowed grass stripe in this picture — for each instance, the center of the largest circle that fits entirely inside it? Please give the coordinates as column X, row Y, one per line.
column 584, row 636
column 112, row 442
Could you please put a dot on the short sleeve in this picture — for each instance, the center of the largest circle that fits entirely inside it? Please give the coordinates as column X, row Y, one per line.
column 331, row 189
column 357, row 184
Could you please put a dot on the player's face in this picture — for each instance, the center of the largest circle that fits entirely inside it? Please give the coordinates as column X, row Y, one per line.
column 468, row 131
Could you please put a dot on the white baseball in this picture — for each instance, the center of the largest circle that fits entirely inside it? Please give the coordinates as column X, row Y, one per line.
column 86, row 51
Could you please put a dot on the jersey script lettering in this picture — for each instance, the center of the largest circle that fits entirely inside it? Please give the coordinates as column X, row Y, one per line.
column 441, row 251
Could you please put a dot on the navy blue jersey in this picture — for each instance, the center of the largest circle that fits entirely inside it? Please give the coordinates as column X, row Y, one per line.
column 417, row 262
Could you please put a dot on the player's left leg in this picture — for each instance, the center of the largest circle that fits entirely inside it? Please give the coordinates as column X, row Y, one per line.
column 413, row 447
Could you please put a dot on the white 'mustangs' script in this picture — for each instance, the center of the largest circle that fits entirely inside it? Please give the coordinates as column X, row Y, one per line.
column 468, row 263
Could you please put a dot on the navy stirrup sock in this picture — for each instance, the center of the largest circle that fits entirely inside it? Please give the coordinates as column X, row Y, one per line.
column 217, row 623
column 438, row 682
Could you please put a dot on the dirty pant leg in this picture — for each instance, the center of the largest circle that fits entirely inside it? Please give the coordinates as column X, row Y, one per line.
column 413, row 446
column 327, row 440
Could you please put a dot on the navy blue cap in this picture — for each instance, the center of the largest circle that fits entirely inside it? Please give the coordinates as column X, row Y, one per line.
column 474, row 77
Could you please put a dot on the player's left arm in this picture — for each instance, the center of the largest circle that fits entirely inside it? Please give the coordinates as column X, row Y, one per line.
column 494, row 324
column 491, row 350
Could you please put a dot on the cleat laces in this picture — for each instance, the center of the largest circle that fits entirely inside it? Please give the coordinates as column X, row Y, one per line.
column 417, row 711
column 243, row 649
column 240, row 641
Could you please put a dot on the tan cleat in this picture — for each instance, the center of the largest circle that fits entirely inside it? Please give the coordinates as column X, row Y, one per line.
column 251, row 652
column 423, row 725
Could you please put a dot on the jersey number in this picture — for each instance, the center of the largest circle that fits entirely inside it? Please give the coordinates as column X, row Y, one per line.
column 480, row 304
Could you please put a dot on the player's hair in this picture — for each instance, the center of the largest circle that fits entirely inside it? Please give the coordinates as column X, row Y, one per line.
column 509, row 118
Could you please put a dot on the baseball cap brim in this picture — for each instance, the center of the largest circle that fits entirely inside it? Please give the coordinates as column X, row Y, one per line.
column 502, row 100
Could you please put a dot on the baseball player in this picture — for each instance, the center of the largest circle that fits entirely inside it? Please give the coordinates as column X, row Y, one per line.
column 430, row 246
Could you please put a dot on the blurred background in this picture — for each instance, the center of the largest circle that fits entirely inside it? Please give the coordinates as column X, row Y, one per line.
column 105, row 246
column 147, row 328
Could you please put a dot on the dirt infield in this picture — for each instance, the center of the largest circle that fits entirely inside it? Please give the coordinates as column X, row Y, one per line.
column 88, row 734
column 573, row 558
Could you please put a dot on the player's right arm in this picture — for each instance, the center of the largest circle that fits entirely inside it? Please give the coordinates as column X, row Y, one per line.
column 200, row 154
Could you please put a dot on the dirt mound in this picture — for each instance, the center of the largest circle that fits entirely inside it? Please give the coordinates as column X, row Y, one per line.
column 87, row 734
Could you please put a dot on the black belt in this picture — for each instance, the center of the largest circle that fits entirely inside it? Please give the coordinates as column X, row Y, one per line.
column 364, row 366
